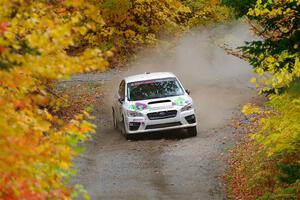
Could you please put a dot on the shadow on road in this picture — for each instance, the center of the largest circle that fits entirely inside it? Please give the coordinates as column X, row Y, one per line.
column 176, row 134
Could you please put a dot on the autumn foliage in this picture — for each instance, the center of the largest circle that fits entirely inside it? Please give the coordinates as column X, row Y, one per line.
column 36, row 146
column 267, row 165
column 45, row 41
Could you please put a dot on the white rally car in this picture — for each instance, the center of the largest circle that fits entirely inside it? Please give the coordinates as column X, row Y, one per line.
column 153, row 102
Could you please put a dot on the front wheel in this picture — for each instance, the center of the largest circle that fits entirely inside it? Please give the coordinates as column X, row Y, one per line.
column 124, row 132
column 123, row 129
column 192, row 131
column 129, row 136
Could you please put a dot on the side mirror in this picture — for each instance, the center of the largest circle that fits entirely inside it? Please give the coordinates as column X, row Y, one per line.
column 121, row 100
column 188, row 91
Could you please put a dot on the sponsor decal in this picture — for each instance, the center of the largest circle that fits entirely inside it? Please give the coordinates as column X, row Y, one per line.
column 180, row 101
column 139, row 106
column 150, row 81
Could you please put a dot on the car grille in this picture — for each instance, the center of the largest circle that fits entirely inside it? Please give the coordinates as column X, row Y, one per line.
column 162, row 114
column 154, row 126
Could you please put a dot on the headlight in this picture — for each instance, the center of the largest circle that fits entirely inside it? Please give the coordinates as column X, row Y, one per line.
column 187, row 107
column 132, row 113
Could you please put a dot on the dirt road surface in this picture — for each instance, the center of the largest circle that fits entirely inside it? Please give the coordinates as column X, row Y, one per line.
column 169, row 165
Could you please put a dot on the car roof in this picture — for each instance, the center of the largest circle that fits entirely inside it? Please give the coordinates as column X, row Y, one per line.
column 149, row 76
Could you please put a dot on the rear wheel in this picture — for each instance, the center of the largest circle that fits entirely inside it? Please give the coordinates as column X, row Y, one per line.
column 192, row 131
column 115, row 123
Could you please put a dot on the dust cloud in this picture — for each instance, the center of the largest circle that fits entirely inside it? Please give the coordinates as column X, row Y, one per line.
column 114, row 168
column 217, row 80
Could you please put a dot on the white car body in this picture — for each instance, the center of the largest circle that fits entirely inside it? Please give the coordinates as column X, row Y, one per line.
column 154, row 114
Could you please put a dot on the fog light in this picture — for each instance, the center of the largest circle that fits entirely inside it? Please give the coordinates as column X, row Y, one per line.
column 133, row 126
column 191, row 119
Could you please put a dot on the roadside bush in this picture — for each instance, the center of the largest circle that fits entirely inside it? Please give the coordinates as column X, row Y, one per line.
column 207, row 11
column 131, row 24
column 270, row 158
column 241, row 7
column 267, row 166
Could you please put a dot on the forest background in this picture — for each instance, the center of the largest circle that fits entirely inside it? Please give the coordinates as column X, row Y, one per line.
column 42, row 42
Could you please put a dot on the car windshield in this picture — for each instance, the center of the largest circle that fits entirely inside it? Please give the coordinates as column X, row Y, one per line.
column 152, row 89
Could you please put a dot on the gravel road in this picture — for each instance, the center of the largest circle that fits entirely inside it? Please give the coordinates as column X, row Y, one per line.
column 169, row 165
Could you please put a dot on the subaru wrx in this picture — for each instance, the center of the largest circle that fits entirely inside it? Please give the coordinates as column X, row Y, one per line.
column 153, row 102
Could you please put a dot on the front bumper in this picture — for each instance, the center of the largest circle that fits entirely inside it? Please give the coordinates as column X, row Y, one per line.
column 143, row 124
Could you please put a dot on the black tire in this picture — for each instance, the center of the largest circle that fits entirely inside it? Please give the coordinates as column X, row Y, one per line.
column 192, row 131
column 115, row 123
column 123, row 129
column 129, row 136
